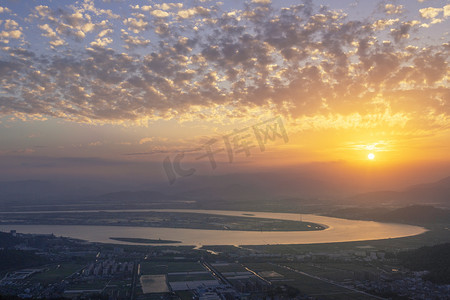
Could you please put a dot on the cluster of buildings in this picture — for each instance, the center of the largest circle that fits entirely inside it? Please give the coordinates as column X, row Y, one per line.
column 108, row 268
column 343, row 255
column 408, row 286
column 113, row 273
column 221, row 292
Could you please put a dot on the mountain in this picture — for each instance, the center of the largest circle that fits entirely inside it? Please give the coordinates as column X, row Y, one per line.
column 255, row 185
column 29, row 194
column 415, row 214
column 434, row 193
column 138, row 196
column 434, row 259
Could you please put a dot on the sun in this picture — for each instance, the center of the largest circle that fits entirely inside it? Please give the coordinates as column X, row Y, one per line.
column 371, row 156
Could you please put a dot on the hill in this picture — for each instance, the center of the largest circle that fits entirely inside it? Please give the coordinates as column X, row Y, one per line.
column 434, row 193
column 435, row 259
column 415, row 214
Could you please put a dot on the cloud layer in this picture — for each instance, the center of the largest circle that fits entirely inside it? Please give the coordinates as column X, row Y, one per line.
column 93, row 63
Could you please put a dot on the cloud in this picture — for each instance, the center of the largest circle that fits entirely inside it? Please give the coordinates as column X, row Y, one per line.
column 133, row 41
column 159, row 13
column 95, row 144
column 434, row 15
column 430, row 12
column 447, row 10
column 402, row 30
column 101, row 42
column 74, row 23
column 392, row 9
column 383, row 23
column 145, row 140
column 206, row 62
column 4, row 10
column 262, row 1
column 11, row 30
column 55, row 40
column 168, row 6
column 191, row 12
column 135, row 25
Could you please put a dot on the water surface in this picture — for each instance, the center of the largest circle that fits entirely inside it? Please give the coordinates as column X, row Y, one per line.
column 338, row 230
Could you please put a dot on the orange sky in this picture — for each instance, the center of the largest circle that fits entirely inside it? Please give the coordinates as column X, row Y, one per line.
column 94, row 88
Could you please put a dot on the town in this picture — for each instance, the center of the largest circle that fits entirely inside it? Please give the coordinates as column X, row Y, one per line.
column 48, row 266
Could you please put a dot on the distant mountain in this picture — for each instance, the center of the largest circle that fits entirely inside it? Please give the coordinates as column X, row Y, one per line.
column 254, row 185
column 438, row 191
column 138, row 196
column 27, row 194
column 415, row 214
column 25, row 187
column 227, row 192
column 20, row 192
column 434, row 259
column 265, row 191
column 435, row 193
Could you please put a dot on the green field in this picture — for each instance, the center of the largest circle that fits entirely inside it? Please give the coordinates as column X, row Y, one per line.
column 161, row 219
column 95, row 284
column 185, row 295
column 154, row 284
column 155, row 267
column 191, row 277
column 56, row 273
column 231, row 267
column 308, row 285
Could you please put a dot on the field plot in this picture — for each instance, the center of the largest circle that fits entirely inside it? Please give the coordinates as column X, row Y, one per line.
column 181, row 276
column 229, row 267
column 306, row 284
column 271, row 275
column 192, row 285
column 154, row 284
column 190, row 276
column 233, row 271
column 197, row 220
column 165, row 267
column 341, row 271
column 94, row 284
column 56, row 273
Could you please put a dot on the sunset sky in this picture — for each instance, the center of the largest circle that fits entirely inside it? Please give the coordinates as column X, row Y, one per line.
column 109, row 89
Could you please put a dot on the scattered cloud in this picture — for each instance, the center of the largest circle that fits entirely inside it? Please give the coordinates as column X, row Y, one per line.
column 145, row 140
column 4, row 10
column 135, row 25
column 171, row 61
column 392, row 9
column 159, row 13
column 132, row 42
column 10, row 29
column 430, row 12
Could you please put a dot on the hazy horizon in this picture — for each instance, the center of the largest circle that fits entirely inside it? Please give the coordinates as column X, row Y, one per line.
column 353, row 94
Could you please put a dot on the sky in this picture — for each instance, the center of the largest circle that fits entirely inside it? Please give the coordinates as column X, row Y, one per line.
column 156, row 91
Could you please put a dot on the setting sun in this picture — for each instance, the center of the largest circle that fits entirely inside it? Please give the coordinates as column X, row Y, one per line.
column 225, row 149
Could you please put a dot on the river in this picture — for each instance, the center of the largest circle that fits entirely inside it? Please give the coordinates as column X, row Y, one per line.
column 338, row 230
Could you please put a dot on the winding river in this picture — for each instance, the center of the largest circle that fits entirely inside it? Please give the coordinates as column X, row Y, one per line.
column 338, row 230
